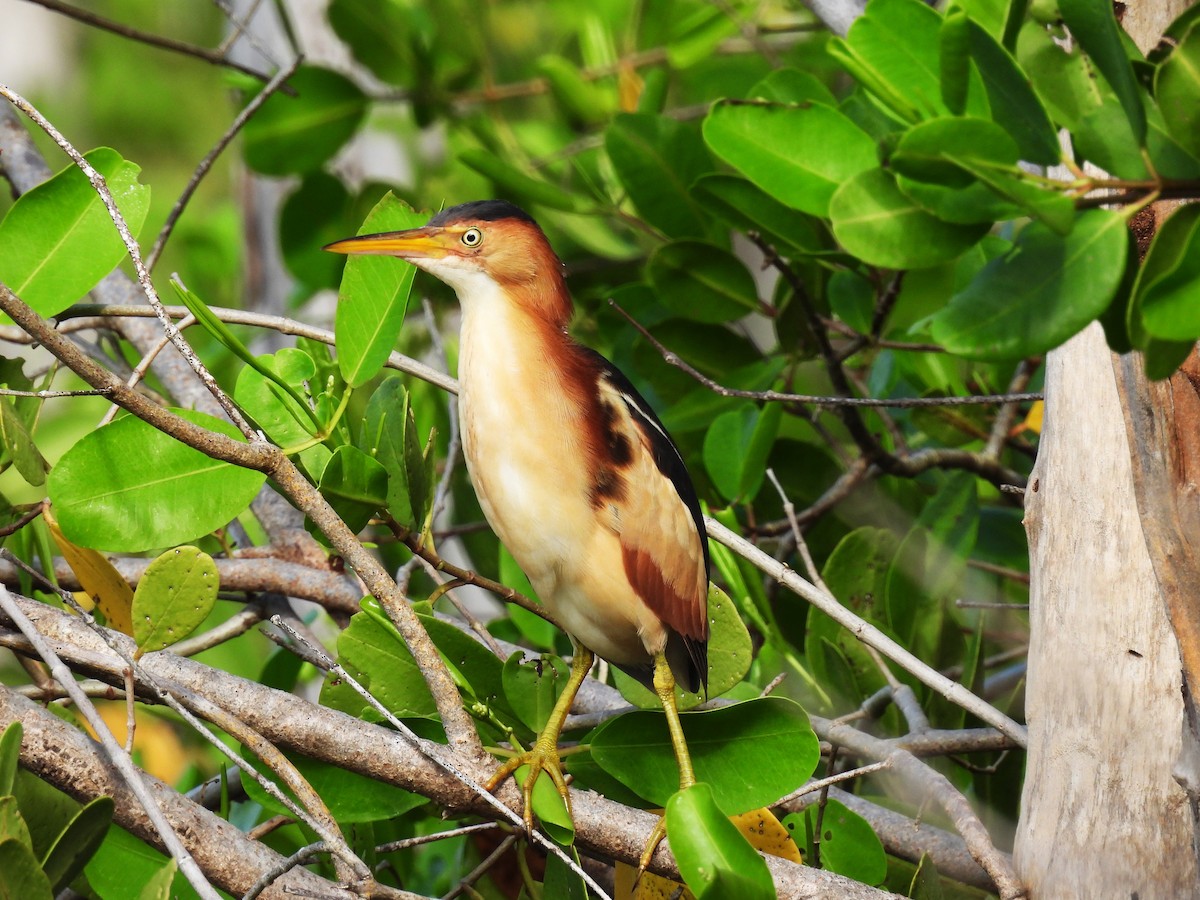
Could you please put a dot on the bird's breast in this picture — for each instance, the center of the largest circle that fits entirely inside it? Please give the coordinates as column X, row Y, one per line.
column 522, row 439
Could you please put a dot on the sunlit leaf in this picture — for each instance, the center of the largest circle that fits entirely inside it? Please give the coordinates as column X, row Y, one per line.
column 374, row 297
column 57, row 241
column 798, row 155
column 174, row 595
column 129, row 487
column 1094, row 25
column 714, row 859
column 874, row 220
column 1176, row 87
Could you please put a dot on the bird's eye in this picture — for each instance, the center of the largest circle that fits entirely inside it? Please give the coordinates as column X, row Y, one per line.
column 472, row 237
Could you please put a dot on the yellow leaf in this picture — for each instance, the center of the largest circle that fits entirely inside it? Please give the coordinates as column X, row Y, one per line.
column 1033, row 421
column 98, row 577
column 767, row 834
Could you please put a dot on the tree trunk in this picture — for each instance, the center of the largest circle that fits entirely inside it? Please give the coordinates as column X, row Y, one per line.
column 1110, row 804
column 1102, row 813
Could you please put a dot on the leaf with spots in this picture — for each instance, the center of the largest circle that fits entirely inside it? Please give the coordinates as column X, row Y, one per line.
column 174, row 596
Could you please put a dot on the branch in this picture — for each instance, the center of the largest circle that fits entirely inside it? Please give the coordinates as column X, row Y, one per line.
column 603, row 827
column 65, row 757
column 117, row 756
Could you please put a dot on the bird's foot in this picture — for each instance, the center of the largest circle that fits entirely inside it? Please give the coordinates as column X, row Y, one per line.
column 541, row 757
column 656, row 837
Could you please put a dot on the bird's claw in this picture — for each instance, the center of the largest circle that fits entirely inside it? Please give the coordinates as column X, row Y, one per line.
column 542, row 757
column 656, row 837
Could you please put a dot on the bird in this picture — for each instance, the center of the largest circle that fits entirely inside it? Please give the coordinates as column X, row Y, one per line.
column 574, row 472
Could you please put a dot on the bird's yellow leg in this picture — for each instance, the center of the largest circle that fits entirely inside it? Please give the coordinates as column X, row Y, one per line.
column 543, row 755
column 664, row 686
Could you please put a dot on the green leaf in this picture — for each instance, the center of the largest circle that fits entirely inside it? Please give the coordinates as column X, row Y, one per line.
column 161, row 884
column 176, row 594
column 736, row 447
column 351, row 797
column 856, row 573
column 926, row 883
column 285, row 420
column 296, row 134
column 930, row 162
column 21, row 878
column 583, row 101
column 375, row 655
column 849, row 846
column 78, row 843
column 1036, row 296
column 955, row 59
column 379, row 35
column 475, row 668
column 657, row 159
column 518, row 184
column 1105, row 137
column 892, row 49
column 1093, row 24
column 355, row 485
column 129, row 487
column 1054, row 209
column 12, row 825
column 57, row 241
column 747, row 208
column 1065, row 80
column 390, row 436
column 702, row 282
column 316, row 213
column 374, row 297
column 730, row 653
column 751, row 753
column 1169, row 283
column 561, row 882
column 10, row 755
column 1014, row 105
column 1176, row 87
column 549, row 808
column 124, row 866
column 798, row 155
column 874, row 220
column 792, row 86
column 532, row 687
column 715, row 860
column 28, row 460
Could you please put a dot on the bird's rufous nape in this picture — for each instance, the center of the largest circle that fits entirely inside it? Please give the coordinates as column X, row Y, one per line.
column 574, row 471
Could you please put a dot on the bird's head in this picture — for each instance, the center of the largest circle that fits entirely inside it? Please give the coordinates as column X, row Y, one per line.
column 482, row 249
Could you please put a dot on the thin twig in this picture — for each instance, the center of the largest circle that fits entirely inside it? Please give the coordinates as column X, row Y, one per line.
column 825, row 783
column 205, row 164
column 674, row 359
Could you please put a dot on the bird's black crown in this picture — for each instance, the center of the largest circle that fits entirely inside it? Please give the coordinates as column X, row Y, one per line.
column 485, row 210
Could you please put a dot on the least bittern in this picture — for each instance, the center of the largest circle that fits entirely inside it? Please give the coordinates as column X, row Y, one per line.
column 574, row 472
